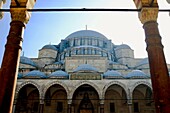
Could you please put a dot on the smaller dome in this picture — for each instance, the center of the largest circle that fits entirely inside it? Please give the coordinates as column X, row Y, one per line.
column 25, row 60
column 136, row 74
column 59, row 74
column 19, row 76
column 143, row 62
column 50, row 47
column 85, row 67
column 122, row 46
column 35, row 74
column 112, row 74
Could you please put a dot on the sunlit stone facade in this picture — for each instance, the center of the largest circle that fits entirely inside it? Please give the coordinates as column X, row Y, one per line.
column 84, row 73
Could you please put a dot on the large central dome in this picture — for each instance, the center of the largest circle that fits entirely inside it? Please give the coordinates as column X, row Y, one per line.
column 86, row 33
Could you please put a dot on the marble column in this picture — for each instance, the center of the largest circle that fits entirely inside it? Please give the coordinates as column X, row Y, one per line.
column 69, row 106
column 41, row 106
column 158, row 67
column 102, row 106
column 10, row 63
column 129, row 100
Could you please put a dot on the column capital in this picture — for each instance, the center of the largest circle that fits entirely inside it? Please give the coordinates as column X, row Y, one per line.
column 145, row 3
column 19, row 11
column 148, row 14
column 69, row 101
column 149, row 10
column 102, row 101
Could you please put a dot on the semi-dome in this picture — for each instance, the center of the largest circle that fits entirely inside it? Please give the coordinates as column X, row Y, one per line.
column 136, row 74
column 35, row 74
column 49, row 47
column 59, row 74
column 86, row 33
column 25, row 60
column 122, row 46
column 85, row 67
column 112, row 74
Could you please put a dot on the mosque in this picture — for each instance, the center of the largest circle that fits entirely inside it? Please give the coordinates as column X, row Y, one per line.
column 84, row 73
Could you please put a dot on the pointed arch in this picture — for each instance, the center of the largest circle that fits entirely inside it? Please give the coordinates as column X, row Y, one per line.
column 54, row 83
column 114, row 83
column 83, row 83
column 140, row 83
column 26, row 83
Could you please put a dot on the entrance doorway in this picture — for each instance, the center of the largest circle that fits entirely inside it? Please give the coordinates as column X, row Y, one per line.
column 85, row 100
column 85, row 105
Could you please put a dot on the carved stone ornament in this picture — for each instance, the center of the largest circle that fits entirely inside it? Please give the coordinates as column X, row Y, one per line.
column 145, row 3
column 19, row 11
column 148, row 14
column 20, row 14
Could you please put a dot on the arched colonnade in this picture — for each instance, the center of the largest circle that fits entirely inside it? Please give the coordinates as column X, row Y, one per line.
column 114, row 96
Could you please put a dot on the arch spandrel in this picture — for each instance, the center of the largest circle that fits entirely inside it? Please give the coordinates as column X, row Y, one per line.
column 83, row 83
column 46, row 87
column 123, row 86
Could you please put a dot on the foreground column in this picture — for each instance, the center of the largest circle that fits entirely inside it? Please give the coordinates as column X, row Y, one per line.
column 9, row 68
column 158, row 67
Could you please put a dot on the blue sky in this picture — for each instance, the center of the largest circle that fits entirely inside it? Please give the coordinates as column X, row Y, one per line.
column 121, row 27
